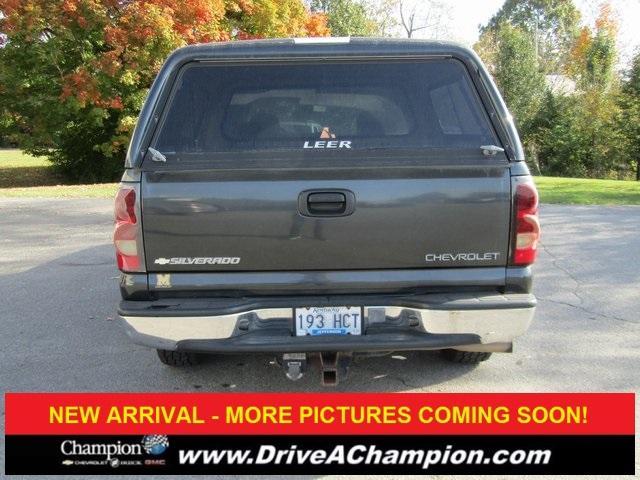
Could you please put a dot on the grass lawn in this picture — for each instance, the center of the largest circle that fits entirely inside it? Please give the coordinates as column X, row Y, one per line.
column 98, row 190
column 585, row 191
column 18, row 169
column 22, row 175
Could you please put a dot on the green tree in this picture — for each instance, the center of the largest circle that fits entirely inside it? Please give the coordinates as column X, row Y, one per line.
column 553, row 25
column 584, row 137
column 578, row 136
column 582, row 133
column 347, row 17
column 510, row 55
column 522, row 43
column 630, row 116
column 558, row 137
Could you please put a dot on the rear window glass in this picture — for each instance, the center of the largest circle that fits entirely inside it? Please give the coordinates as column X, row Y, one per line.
column 429, row 104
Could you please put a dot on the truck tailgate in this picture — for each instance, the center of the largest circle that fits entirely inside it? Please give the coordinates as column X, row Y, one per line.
column 247, row 220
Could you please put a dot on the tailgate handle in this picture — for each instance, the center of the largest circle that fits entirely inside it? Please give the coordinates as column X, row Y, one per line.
column 324, row 203
column 320, row 203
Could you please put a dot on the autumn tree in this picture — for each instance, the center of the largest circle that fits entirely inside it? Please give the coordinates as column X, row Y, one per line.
column 74, row 73
column 593, row 56
column 580, row 133
column 347, row 17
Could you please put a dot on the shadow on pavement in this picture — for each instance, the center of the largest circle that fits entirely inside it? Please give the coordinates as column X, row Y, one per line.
column 62, row 334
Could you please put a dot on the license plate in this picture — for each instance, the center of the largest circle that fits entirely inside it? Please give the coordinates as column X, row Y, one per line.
column 328, row 321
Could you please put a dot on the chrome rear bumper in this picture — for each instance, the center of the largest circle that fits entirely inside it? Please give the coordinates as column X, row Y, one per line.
column 466, row 322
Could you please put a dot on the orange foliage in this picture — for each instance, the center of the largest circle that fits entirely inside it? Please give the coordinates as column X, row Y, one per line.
column 581, row 45
column 607, row 21
column 316, row 25
column 606, row 24
column 109, row 51
column 84, row 88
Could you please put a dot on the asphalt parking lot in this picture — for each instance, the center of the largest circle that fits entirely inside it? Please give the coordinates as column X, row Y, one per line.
column 58, row 297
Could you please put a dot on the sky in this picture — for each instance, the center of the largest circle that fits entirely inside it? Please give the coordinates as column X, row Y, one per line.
column 466, row 15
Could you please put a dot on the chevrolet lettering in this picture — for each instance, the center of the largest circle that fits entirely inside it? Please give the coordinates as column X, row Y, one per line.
column 467, row 257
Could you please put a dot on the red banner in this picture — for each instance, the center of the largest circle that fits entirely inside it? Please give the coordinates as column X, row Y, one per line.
column 320, row 414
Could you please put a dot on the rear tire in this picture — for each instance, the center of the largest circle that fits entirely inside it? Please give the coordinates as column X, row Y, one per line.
column 467, row 358
column 178, row 359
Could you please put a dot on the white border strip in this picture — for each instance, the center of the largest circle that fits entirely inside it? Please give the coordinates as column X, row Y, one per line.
column 312, row 40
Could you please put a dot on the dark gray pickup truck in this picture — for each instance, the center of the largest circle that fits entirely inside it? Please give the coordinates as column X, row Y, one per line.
column 318, row 198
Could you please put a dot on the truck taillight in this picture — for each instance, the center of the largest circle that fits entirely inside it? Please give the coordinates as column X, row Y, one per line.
column 126, row 235
column 527, row 226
